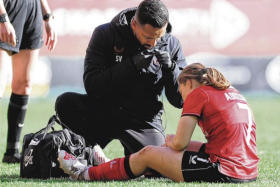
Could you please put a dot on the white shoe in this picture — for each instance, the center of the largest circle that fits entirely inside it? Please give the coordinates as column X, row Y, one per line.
column 97, row 156
column 70, row 165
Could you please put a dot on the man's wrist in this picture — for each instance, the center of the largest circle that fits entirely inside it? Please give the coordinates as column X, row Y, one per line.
column 169, row 68
column 46, row 17
column 4, row 18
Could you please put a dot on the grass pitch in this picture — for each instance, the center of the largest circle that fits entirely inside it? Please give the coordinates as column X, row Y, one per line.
column 267, row 115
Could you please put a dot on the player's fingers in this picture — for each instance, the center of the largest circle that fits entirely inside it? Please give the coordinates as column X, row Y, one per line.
column 50, row 47
column 5, row 39
column 47, row 41
column 52, row 35
column 54, row 41
column 166, row 138
column 2, row 37
column 13, row 39
column 9, row 40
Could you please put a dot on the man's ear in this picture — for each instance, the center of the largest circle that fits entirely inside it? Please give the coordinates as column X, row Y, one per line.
column 133, row 23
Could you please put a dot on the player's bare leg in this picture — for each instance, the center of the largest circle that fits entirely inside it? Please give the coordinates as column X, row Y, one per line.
column 5, row 61
column 22, row 66
column 162, row 159
column 22, row 63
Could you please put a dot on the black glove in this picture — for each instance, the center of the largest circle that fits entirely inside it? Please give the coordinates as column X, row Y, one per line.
column 142, row 59
column 164, row 59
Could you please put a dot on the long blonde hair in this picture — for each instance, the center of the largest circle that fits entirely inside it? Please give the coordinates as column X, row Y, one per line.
column 205, row 76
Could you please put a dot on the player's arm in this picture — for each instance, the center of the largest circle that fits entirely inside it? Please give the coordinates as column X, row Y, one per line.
column 7, row 31
column 185, row 129
column 170, row 76
column 101, row 77
column 49, row 25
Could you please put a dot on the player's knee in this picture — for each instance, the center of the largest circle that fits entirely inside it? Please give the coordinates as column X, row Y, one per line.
column 144, row 155
column 21, row 86
column 146, row 151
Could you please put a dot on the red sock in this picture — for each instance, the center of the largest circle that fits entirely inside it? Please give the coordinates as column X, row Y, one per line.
column 113, row 170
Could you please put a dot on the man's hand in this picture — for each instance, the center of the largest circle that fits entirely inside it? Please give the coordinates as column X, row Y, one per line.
column 142, row 59
column 51, row 34
column 164, row 59
column 7, row 33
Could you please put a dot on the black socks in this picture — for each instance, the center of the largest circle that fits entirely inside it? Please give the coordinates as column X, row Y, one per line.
column 16, row 114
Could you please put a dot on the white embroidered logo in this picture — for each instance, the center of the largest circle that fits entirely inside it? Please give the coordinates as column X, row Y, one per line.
column 20, row 125
column 28, row 159
column 112, row 163
column 192, row 159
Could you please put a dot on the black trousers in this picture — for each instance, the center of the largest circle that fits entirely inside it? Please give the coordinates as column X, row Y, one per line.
column 100, row 123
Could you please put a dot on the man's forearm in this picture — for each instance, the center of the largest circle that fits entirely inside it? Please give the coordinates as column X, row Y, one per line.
column 45, row 7
column 2, row 7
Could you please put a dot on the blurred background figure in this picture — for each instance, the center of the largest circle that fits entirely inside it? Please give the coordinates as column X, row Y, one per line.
column 21, row 32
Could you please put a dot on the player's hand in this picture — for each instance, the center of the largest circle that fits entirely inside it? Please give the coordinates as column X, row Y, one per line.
column 168, row 140
column 164, row 59
column 7, row 33
column 51, row 34
column 142, row 59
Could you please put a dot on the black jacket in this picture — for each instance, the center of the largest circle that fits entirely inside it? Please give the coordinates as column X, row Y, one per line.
column 110, row 76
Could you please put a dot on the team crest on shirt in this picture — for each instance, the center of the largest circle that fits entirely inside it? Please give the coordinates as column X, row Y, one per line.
column 118, row 51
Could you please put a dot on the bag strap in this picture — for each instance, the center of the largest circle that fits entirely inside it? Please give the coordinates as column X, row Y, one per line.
column 49, row 126
column 56, row 119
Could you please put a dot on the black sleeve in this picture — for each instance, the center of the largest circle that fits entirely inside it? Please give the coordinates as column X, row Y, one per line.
column 100, row 76
column 170, row 76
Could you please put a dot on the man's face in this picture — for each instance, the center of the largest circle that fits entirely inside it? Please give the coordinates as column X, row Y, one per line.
column 147, row 35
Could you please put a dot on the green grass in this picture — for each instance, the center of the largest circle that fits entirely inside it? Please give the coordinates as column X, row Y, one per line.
column 267, row 115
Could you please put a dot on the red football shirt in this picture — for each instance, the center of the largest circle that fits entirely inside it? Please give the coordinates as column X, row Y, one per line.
column 227, row 122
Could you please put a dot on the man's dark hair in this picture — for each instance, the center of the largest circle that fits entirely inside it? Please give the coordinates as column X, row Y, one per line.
column 152, row 12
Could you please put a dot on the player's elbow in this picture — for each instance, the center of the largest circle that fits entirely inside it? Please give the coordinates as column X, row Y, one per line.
column 179, row 145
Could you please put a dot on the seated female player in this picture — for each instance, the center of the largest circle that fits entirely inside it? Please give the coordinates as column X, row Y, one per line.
column 226, row 120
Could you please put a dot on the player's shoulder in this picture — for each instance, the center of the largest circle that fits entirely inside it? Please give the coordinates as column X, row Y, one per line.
column 200, row 93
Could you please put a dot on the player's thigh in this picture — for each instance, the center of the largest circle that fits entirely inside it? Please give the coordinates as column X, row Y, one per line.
column 23, row 63
column 5, row 62
column 164, row 160
column 135, row 140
